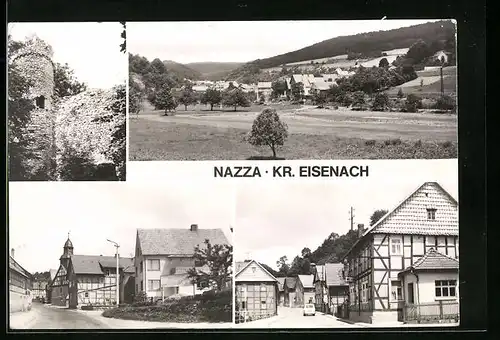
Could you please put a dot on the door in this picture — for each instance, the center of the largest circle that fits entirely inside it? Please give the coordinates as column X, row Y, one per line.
column 411, row 293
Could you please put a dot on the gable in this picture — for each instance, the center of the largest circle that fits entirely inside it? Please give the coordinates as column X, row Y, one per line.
column 254, row 272
column 411, row 216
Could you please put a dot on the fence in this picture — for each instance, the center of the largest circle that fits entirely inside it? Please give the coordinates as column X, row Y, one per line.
column 247, row 316
column 431, row 312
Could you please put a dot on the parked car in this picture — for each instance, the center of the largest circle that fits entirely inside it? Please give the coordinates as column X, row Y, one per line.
column 309, row 309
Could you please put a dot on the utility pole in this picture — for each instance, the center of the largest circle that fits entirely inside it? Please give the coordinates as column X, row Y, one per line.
column 351, row 218
column 117, row 272
column 441, row 76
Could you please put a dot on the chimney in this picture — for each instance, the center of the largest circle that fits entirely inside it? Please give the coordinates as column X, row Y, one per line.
column 12, row 252
column 361, row 229
column 194, row 227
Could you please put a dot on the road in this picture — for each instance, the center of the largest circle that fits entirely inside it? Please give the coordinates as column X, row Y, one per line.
column 50, row 317
column 293, row 318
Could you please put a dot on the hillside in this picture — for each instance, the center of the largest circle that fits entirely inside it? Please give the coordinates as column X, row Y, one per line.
column 181, row 70
column 362, row 43
column 213, row 69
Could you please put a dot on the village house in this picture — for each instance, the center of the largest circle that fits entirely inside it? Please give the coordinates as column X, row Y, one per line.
column 380, row 266
column 305, row 290
column 264, row 88
column 20, row 286
column 320, row 86
column 40, row 289
column 337, row 287
column 442, row 56
column 306, row 79
column 281, row 290
column 163, row 258
column 84, row 280
column 256, row 292
column 290, row 291
column 331, row 290
column 320, row 289
column 430, row 289
column 48, row 289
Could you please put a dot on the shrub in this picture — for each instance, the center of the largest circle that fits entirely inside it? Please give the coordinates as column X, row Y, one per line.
column 381, row 102
column 445, row 102
column 400, row 93
column 396, row 141
column 371, row 142
column 413, row 103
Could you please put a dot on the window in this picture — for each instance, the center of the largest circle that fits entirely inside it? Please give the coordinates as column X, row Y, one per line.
column 142, row 287
column 141, row 266
column 153, row 265
column 153, row 284
column 431, row 214
column 263, row 304
column 395, row 246
column 40, row 102
column 396, row 291
column 136, row 288
column 243, row 305
column 446, row 288
column 202, row 284
column 86, row 294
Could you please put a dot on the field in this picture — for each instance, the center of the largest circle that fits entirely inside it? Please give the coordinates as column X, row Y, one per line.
column 313, row 134
column 341, row 61
column 431, row 83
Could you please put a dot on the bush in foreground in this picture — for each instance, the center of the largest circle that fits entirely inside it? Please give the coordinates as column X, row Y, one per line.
column 216, row 307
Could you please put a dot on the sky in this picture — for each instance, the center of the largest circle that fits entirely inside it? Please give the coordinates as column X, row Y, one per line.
column 42, row 213
column 287, row 218
column 241, row 41
column 91, row 49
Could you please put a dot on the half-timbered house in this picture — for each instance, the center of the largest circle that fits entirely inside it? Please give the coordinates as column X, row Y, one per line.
column 256, row 292
column 83, row 280
column 320, row 289
column 427, row 219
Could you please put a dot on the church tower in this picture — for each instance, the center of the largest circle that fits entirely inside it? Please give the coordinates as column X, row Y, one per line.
column 68, row 252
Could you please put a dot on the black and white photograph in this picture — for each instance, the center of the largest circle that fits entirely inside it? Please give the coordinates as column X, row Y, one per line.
column 382, row 252
column 67, row 101
column 138, row 256
column 287, row 90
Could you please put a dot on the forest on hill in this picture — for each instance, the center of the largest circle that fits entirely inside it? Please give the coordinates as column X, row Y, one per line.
column 332, row 250
column 213, row 70
column 365, row 43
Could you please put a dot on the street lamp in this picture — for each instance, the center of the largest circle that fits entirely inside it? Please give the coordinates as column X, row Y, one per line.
column 117, row 272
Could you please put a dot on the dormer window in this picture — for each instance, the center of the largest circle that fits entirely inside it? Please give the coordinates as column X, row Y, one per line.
column 431, row 214
column 40, row 102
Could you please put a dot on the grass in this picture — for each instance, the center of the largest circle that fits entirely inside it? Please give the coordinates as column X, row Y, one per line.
column 151, row 140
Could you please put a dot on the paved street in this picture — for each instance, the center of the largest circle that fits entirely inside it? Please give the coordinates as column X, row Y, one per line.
column 50, row 317
column 293, row 318
column 53, row 317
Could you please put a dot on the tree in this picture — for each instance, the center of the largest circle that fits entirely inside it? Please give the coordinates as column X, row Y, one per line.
column 135, row 96
column 383, row 62
column 297, row 91
column 400, row 93
column 306, row 252
column 268, row 129
column 118, row 146
column 381, row 102
column 279, row 88
column 376, row 216
column 123, row 35
column 235, row 97
column 212, row 97
column 283, row 266
column 358, row 98
column 65, row 82
column 187, row 97
column 319, row 97
column 164, row 100
column 413, row 103
column 215, row 263
column 418, row 52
